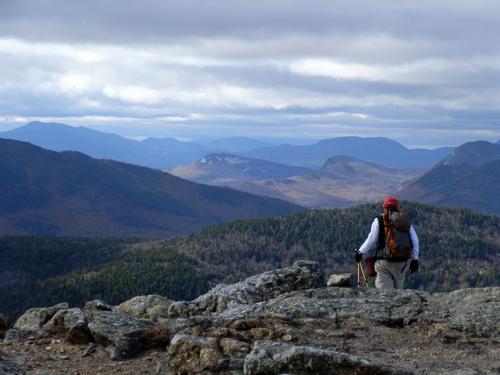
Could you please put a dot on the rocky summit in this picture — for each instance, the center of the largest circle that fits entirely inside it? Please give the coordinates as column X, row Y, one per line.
column 285, row 321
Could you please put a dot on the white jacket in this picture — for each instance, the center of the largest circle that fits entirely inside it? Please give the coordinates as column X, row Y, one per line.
column 369, row 247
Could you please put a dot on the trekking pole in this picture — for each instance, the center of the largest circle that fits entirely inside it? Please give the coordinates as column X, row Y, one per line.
column 365, row 280
column 359, row 276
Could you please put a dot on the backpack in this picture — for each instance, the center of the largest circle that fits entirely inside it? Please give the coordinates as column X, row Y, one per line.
column 394, row 236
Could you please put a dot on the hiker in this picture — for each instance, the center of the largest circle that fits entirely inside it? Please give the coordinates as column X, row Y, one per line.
column 391, row 247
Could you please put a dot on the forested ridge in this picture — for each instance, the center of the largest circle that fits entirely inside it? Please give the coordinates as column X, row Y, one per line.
column 33, row 258
column 459, row 248
column 67, row 193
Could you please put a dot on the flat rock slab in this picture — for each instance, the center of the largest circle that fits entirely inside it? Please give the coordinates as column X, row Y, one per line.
column 475, row 312
column 121, row 330
column 386, row 307
column 271, row 357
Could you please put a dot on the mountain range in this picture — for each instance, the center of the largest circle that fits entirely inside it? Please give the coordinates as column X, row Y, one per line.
column 164, row 153
column 151, row 152
column 460, row 177
column 382, row 151
column 69, row 193
column 341, row 181
column 469, row 177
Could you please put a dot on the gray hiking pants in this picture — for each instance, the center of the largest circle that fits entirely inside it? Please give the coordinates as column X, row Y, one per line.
column 390, row 275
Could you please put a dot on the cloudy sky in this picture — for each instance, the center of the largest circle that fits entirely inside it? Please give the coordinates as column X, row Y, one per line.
column 423, row 72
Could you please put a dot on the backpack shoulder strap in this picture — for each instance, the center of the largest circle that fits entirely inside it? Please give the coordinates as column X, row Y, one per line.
column 381, row 232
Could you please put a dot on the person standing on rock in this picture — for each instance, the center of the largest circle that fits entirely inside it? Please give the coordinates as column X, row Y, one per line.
column 391, row 247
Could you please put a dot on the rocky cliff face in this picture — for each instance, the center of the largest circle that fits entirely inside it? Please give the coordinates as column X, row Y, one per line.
column 282, row 321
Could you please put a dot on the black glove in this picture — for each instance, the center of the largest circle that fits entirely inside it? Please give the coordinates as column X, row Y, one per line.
column 358, row 256
column 414, row 266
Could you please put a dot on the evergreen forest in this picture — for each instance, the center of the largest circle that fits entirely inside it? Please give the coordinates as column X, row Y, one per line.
column 459, row 249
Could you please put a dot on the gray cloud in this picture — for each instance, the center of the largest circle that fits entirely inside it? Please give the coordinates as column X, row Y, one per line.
column 154, row 20
column 423, row 72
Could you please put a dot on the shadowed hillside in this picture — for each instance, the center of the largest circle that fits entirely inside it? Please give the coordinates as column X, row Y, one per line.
column 69, row 193
column 469, row 178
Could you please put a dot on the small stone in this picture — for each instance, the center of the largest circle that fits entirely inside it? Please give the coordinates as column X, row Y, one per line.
column 97, row 305
column 114, row 355
column 261, row 333
column 287, row 338
column 244, row 325
column 341, row 280
column 233, row 347
column 89, row 350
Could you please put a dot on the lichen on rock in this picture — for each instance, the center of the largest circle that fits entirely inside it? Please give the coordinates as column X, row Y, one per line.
column 301, row 275
column 33, row 319
column 149, row 307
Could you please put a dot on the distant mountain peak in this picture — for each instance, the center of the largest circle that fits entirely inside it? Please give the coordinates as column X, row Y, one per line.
column 222, row 158
column 473, row 153
column 343, row 161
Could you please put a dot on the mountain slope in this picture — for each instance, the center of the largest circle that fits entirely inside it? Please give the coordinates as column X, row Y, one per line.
column 381, row 151
column 469, row 178
column 231, row 170
column 69, row 193
column 474, row 187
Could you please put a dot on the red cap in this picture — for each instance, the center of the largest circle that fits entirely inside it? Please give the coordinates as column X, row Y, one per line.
column 391, row 203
